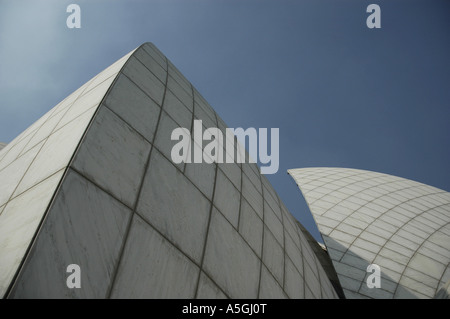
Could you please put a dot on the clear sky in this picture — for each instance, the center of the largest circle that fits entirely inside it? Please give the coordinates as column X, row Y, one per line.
column 342, row 94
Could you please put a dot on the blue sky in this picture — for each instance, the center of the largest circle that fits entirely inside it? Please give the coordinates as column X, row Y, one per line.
column 343, row 95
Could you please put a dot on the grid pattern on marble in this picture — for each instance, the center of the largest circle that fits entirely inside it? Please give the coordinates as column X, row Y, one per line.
column 373, row 218
column 31, row 167
column 181, row 230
